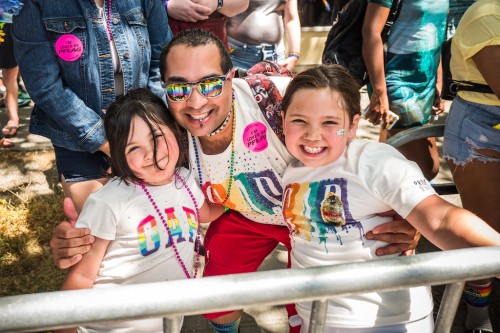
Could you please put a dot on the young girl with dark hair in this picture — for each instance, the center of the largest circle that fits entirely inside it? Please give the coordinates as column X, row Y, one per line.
column 145, row 220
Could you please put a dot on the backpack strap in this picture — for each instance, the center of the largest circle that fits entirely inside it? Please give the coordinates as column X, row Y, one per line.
column 268, row 98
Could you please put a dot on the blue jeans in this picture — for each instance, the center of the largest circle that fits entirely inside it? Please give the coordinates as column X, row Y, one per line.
column 246, row 55
column 469, row 127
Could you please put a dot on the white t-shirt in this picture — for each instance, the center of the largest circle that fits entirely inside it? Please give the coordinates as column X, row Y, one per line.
column 369, row 178
column 259, row 162
column 140, row 250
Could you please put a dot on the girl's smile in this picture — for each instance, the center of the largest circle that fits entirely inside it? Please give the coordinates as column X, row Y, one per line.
column 317, row 127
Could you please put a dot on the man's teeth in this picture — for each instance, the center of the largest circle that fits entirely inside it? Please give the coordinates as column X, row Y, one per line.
column 313, row 150
column 199, row 116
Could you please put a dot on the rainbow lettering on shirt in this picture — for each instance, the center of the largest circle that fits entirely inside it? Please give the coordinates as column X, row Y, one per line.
column 193, row 224
column 173, row 225
column 149, row 238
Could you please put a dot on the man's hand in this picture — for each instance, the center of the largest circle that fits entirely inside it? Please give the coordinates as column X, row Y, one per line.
column 401, row 235
column 68, row 243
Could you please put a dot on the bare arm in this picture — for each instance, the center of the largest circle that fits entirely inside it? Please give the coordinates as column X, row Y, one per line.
column 488, row 63
column 373, row 56
column 68, row 243
column 83, row 274
column 450, row 227
column 210, row 212
column 291, row 21
column 439, row 104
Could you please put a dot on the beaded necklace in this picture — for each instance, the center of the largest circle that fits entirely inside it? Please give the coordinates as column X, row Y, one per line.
column 108, row 19
column 221, row 127
column 164, row 221
column 231, row 168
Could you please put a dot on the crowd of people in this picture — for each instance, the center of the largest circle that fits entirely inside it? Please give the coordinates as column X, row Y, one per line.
column 154, row 134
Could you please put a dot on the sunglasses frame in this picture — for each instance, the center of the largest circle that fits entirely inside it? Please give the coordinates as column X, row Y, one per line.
column 196, row 84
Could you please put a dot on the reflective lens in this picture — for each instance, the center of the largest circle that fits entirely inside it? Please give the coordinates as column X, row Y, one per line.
column 208, row 87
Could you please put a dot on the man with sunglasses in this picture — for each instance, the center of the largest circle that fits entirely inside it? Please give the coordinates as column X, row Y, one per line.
column 238, row 161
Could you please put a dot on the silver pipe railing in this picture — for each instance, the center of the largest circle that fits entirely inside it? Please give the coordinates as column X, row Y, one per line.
column 172, row 299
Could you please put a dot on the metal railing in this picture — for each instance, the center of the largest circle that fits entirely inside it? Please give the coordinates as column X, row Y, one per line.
column 172, row 299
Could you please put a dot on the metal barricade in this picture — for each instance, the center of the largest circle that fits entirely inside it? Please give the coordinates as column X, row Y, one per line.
column 172, row 299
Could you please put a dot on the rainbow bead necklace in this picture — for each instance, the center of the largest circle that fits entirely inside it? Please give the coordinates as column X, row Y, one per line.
column 231, row 168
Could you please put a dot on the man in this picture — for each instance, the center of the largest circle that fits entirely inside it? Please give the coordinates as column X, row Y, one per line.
column 238, row 161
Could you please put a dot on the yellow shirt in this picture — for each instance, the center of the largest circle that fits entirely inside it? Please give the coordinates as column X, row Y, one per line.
column 478, row 28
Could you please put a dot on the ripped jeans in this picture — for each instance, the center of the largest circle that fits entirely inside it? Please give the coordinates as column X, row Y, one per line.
column 469, row 127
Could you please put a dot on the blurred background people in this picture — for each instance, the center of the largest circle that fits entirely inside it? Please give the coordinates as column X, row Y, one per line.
column 408, row 82
column 257, row 33
column 472, row 133
column 204, row 14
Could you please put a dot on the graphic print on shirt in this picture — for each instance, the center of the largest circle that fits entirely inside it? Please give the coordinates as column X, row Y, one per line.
column 149, row 238
column 260, row 191
column 319, row 210
column 148, row 230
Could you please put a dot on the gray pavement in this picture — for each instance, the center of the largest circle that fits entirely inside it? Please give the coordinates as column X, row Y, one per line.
column 255, row 319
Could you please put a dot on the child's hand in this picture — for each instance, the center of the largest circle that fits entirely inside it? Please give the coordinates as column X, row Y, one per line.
column 401, row 235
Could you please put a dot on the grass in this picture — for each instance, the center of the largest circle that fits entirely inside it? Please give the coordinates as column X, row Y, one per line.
column 26, row 226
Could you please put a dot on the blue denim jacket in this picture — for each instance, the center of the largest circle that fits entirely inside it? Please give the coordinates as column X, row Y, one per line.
column 70, row 96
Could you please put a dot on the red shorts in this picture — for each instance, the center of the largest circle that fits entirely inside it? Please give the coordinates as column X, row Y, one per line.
column 236, row 244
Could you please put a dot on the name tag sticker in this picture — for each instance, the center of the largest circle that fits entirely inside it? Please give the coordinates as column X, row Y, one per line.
column 69, row 47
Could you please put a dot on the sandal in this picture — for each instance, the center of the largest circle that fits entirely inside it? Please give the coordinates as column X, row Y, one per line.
column 4, row 143
column 7, row 131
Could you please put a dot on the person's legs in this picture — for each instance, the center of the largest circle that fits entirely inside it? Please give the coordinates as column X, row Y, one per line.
column 10, row 82
column 424, row 152
column 475, row 166
column 236, row 245
column 81, row 173
column 10, row 72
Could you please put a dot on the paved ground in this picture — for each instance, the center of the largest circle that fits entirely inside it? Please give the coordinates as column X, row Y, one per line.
column 256, row 319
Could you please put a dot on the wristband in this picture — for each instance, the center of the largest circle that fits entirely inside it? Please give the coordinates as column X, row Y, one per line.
column 294, row 54
column 166, row 5
column 220, row 3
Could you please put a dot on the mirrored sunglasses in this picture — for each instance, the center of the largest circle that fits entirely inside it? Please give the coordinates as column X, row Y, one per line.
column 209, row 87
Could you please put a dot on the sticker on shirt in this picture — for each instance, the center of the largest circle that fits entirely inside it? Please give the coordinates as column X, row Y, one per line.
column 423, row 185
column 69, row 47
column 332, row 210
column 255, row 137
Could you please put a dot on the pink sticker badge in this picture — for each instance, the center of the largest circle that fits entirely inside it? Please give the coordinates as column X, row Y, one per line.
column 255, row 137
column 69, row 47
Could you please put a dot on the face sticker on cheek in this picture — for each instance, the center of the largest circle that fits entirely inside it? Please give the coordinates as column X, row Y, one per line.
column 255, row 137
